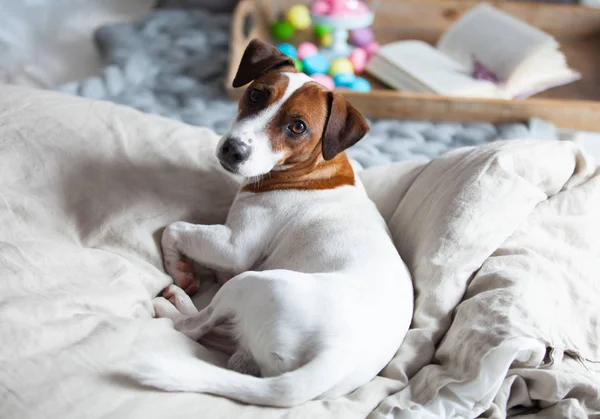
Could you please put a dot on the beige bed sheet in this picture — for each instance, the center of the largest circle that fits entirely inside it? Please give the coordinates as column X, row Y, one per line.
column 503, row 243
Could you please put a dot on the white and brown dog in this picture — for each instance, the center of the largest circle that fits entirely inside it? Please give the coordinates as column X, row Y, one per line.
column 318, row 297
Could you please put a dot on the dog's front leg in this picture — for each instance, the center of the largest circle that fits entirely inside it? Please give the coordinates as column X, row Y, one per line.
column 213, row 246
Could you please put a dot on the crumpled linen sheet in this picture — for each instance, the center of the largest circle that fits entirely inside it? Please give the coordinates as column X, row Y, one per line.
column 503, row 243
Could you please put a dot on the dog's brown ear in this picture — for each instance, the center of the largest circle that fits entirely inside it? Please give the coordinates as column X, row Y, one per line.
column 345, row 127
column 258, row 58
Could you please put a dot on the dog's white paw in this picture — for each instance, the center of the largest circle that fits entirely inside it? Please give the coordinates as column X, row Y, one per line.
column 177, row 265
column 165, row 309
column 186, row 276
column 180, row 300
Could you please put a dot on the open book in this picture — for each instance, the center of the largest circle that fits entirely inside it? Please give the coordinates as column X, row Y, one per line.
column 486, row 53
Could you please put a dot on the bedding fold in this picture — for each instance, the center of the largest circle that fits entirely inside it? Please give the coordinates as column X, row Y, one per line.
column 503, row 243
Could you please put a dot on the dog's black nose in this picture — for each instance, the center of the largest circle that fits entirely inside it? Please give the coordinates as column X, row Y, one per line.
column 233, row 153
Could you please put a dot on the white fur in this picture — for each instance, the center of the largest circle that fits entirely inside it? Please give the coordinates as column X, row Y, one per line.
column 252, row 131
column 319, row 297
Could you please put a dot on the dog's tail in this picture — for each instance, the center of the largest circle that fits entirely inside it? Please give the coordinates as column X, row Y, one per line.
column 194, row 375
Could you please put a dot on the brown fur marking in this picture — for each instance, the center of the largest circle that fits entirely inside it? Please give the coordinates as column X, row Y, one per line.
column 273, row 87
column 303, row 162
column 316, row 174
column 314, row 159
column 259, row 57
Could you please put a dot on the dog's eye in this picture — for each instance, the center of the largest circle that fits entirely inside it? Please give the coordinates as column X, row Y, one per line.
column 255, row 95
column 297, row 127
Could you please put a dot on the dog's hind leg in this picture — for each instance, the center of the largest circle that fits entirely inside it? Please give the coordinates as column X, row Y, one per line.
column 197, row 325
column 222, row 308
column 221, row 339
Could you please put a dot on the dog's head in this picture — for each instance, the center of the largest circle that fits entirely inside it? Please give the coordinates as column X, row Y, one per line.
column 285, row 118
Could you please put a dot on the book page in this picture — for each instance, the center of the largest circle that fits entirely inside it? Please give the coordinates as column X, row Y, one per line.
column 394, row 77
column 499, row 41
column 541, row 71
column 428, row 67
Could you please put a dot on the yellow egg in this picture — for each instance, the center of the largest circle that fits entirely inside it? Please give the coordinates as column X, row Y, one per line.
column 326, row 40
column 299, row 17
column 341, row 65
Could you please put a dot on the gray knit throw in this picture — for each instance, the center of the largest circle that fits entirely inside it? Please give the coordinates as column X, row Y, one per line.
column 173, row 63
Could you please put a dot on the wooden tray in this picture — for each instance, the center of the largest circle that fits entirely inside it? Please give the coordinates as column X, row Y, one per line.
column 577, row 28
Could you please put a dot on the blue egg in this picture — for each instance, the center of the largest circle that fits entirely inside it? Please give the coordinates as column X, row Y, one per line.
column 344, row 80
column 361, row 85
column 288, row 49
column 315, row 64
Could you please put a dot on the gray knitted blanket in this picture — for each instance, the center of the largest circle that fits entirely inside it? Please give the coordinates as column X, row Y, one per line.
column 173, row 63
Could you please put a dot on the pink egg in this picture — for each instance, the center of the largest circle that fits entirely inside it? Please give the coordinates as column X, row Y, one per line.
column 306, row 49
column 372, row 49
column 320, row 7
column 348, row 8
column 325, row 80
column 358, row 57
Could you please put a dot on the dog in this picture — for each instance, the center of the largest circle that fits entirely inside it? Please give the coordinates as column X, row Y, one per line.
column 316, row 293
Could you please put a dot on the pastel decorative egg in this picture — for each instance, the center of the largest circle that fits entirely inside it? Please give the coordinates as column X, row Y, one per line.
column 319, row 30
column 320, row 7
column 344, row 80
column 288, row 49
column 326, row 40
column 282, row 30
column 372, row 49
column 325, row 80
column 341, row 65
column 306, row 49
column 361, row 37
column 299, row 17
column 347, row 8
column 358, row 58
column 360, row 85
column 315, row 64
column 298, row 64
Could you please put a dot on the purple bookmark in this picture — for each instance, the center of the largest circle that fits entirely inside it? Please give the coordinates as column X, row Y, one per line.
column 480, row 72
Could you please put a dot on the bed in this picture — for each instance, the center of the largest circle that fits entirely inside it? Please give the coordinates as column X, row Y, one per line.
column 502, row 241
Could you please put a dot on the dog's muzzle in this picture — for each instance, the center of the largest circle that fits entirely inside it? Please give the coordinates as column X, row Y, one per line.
column 233, row 153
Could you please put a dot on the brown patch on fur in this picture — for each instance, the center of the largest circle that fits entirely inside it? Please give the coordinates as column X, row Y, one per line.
column 259, row 57
column 315, row 174
column 315, row 159
column 272, row 87
column 308, row 104
column 345, row 127
column 303, row 165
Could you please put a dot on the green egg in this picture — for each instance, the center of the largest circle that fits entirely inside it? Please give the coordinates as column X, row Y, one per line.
column 282, row 30
column 298, row 64
column 321, row 30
